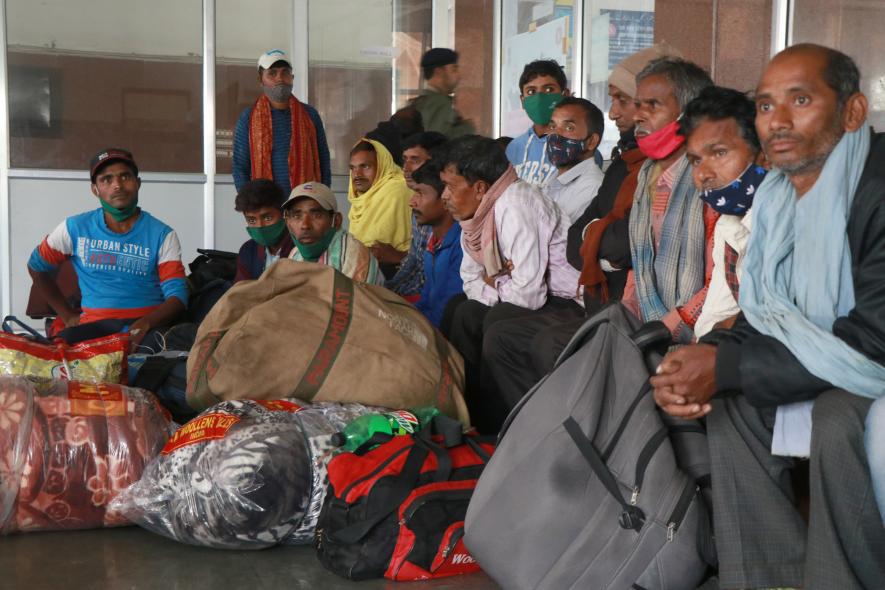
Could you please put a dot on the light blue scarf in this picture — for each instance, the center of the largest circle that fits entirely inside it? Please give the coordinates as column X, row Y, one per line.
column 797, row 280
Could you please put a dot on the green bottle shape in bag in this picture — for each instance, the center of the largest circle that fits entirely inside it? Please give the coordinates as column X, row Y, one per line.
column 394, row 423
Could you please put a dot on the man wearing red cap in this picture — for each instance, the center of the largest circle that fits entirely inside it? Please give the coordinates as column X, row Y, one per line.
column 128, row 263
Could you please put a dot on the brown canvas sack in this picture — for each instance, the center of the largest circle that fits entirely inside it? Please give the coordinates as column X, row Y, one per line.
column 305, row 330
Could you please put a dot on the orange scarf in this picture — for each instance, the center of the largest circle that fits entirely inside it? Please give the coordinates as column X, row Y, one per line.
column 304, row 155
column 592, row 276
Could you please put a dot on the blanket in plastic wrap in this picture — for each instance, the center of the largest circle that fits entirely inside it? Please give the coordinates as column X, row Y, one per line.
column 67, row 448
column 243, row 474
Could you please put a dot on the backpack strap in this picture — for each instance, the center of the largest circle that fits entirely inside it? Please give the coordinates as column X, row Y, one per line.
column 10, row 321
column 632, row 517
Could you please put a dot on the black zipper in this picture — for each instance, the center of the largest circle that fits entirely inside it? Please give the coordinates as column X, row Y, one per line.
column 463, row 494
column 374, row 472
column 645, row 456
column 623, row 425
column 688, row 494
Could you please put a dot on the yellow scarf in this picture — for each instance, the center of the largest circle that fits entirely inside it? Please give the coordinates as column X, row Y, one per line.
column 382, row 213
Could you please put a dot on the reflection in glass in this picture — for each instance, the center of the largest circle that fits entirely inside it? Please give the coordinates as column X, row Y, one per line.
column 84, row 76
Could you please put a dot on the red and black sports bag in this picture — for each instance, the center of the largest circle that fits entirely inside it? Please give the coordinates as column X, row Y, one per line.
column 398, row 510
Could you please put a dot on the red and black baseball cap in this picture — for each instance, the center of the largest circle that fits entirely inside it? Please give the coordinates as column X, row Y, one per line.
column 108, row 156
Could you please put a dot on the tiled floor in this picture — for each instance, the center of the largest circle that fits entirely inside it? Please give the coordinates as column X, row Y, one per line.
column 131, row 558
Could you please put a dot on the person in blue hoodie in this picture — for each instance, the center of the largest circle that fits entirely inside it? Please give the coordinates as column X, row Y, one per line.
column 442, row 258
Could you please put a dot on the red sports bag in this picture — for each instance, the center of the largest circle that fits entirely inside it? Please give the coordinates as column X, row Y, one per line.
column 398, row 510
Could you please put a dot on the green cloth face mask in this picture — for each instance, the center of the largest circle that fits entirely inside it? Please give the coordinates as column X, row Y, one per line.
column 539, row 106
column 312, row 252
column 120, row 214
column 269, row 234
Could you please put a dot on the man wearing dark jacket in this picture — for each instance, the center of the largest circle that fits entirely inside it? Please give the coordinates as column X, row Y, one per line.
column 796, row 374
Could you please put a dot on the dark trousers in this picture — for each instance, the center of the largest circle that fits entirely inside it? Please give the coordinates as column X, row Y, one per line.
column 761, row 538
column 519, row 352
column 471, row 321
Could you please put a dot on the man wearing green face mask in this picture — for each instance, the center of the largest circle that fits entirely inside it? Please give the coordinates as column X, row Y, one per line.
column 260, row 202
column 313, row 221
column 541, row 86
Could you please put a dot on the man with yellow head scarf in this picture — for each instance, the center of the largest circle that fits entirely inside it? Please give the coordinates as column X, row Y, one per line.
column 379, row 197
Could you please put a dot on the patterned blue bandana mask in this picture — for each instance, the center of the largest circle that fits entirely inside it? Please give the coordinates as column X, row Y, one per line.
column 564, row 151
column 736, row 198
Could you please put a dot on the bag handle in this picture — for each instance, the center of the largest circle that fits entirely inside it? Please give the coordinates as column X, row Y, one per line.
column 395, row 496
column 632, row 517
column 7, row 327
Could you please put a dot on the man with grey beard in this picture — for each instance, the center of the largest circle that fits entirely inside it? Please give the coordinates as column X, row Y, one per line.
column 280, row 138
column 797, row 373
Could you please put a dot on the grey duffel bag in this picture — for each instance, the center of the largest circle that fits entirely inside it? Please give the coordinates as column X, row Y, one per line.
column 584, row 490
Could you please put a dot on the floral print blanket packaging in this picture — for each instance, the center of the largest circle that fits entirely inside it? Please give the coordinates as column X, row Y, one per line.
column 67, row 448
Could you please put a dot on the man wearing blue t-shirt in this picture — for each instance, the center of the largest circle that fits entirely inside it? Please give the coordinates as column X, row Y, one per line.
column 128, row 263
column 279, row 137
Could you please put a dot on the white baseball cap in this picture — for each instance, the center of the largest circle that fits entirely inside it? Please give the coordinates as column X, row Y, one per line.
column 269, row 58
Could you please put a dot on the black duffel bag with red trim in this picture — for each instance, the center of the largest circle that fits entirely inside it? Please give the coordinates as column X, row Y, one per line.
column 398, row 509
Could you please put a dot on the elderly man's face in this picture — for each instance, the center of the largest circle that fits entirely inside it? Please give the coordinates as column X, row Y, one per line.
column 656, row 105
column 797, row 115
column 461, row 197
column 718, row 153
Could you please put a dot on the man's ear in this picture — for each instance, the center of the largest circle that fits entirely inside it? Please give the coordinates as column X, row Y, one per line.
column 336, row 220
column 481, row 187
column 138, row 182
column 94, row 190
column 854, row 113
column 566, row 92
column 593, row 142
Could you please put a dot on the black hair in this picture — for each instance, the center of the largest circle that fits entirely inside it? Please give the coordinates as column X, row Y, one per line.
column 840, row 71
column 428, row 173
column 387, row 134
column 504, row 141
column 363, row 146
column 432, row 141
column 686, row 78
column 718, row 104
column 476, row 158
column 543, row 67
column 594, row 117
column 259, row 193
column 408, row 121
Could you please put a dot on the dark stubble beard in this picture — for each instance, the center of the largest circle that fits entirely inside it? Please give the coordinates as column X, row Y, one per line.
column 813, row 162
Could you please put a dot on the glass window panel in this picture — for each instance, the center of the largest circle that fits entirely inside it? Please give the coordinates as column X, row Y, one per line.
column 84, row 76
column 532, row 29
column 854, row 28
column 236, row 63
column 350, row 70
column 614, row 29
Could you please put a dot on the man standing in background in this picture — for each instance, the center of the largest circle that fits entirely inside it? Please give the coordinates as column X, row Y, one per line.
column 440, row 70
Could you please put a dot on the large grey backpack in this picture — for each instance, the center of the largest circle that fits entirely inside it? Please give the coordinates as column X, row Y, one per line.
column 584, row 490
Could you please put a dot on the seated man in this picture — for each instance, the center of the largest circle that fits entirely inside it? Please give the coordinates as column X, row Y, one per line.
column 574, row 132
column 259, row 201
column 723, row 149
column 128, row 263
column 312, row 217
column 671, row 229
column 514, row 261
column 379, row 198
column 443, row 254
column 812, row 333
column 409, row 277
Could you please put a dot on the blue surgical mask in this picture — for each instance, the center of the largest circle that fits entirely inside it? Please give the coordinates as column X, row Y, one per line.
column 736, row 197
